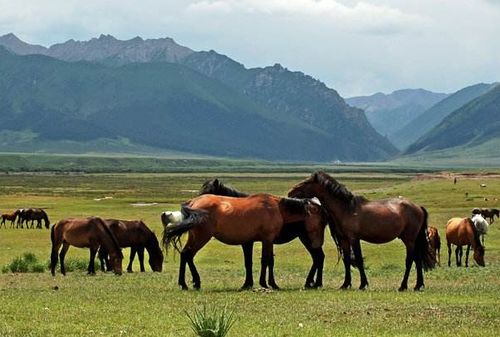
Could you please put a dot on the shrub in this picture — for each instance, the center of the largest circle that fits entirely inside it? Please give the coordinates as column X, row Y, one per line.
column 28, row 263
column 211, row 322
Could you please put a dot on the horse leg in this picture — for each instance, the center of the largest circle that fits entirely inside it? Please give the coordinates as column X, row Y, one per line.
column 187, row 257
column 53, row 258
column 247, row 254
column 140, row 254
column 91, row 268
column 420, row 275
column 408, row 263
column 356, row 246
column 310, row 276
column 268, row 256
column 449, row 254
column 131, row 260
column 346, row 258
column 458, row 255
column 467, row 256
column 62, row 254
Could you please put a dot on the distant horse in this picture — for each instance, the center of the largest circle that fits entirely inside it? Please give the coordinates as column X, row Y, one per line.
column 9, row 216
column 481, row 225
column 84, row 233
column 435, row 242
column 136, row 235
column 353, row 218
column 490, row 213
column 460, row 232
column 287, row 234
column 32, row 214
column 238, row 221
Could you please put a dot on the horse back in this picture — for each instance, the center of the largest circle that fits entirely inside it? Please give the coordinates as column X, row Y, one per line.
column 129, row 232
column 79, row 232
column 459, row 231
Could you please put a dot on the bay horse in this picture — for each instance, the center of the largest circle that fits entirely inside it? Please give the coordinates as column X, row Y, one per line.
column 89, row 233
column 461, row 232
column 9, row 216
column 353, row 218
column 288, row 233
column 32, row 214
column 435, row 242
column 136, row 235
column 238, row 221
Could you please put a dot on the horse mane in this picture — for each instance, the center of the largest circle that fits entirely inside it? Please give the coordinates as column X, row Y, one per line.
column 338, row 190
column 102, row 223
column 215, row 186
column 477, row 238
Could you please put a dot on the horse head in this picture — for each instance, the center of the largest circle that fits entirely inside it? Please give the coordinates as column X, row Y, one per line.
column 479, row 255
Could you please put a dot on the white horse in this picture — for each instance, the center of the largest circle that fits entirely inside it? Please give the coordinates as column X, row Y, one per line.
column 171, row 218
column 481, row 225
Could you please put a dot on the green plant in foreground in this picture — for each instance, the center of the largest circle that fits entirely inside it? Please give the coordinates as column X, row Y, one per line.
column 211, row 322
column 28, row 263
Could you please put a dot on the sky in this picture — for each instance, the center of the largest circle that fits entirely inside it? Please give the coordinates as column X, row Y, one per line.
column 355, row 47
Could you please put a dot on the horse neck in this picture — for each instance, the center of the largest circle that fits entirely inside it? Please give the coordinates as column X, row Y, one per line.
column 152, row 245
column 336, row 208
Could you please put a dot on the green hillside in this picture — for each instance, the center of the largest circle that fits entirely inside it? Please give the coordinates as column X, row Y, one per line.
column 472, row 125
column 417, row 127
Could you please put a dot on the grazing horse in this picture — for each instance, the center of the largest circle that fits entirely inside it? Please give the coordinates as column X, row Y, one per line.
column 435, row 242
column 353, row 218
column 9, row 216
column 481, row 225
column 90, row 233
column 490, row 213
column 32, row 214
column 238, row 221
column 287, row 234
column 460, row 232
column 136, row 235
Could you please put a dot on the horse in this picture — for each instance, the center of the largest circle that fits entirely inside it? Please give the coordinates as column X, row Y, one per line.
column 9, row 216
column 435, row 242
column 353, row 218
column 36, row 214
column 238, row 221
column 287, row 234
column 490, row 213
column 460, row 232
column 89, row 233
column 481, row 225
column 136, row 235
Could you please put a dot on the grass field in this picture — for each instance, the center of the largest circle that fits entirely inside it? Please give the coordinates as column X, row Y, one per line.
column 457, row 301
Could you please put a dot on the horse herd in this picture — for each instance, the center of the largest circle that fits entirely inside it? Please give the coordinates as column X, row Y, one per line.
column 236, row 218
column 25, row 215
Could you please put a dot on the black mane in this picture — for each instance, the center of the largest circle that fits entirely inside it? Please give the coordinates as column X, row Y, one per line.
column 214, row 186
column 337, row 190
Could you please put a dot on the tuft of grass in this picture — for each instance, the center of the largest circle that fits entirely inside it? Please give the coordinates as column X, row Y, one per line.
column 78, row 264
column 28, row 263
column 211, row 321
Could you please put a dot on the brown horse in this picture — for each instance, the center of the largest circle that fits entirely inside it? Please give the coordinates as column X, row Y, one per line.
column 136, row 235
column 287, row 234
column 435, row 242
column 84, row 233
column 33, row 214
column 237, row 221
column 460, row 232
column 354, row 218
column 8, row 216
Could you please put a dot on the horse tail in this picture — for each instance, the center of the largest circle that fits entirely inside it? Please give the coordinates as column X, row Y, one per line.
column 53, row 252
column 334, row 233
column 423, row 248
column 111, row 235
column 192, row 218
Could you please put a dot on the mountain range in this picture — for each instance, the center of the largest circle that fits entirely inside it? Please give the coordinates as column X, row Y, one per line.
column 159, row 94
column 388, row 113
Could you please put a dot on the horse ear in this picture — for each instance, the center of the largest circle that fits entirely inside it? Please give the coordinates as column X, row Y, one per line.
column 216, row 182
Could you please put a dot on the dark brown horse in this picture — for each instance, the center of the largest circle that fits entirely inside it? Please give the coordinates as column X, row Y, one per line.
column 136, row 235
column 435, row 242
column 10, row 217
column 237, row 221
column 462, row 232
column 354, row 218
column 288, row 233
column 32, row 214
column 84, row 233
column 490, row 213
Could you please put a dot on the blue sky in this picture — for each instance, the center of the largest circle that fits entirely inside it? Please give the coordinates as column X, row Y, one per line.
column 355, row 47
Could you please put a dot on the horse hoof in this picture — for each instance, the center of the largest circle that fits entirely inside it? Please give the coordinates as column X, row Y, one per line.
column 401, row 289
column 363, row 287
column 129, row 271
column 345, row 286
column 419, row 288
column 183, row 287
column 246, row 287
column 275, row 287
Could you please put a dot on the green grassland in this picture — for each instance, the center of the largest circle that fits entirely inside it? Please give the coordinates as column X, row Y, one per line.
column 456, row 301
